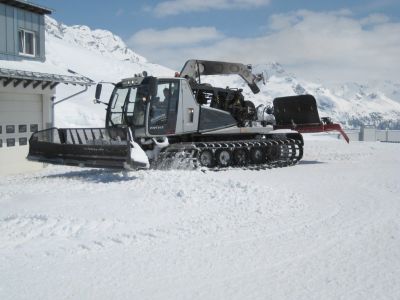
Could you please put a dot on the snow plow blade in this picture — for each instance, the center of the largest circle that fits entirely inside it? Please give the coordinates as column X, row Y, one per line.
column 300, row 113
column 83, row 147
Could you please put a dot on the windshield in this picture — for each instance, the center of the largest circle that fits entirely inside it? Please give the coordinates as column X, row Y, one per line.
column 127, row 106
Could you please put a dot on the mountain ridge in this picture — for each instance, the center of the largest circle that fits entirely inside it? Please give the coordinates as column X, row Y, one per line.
column 103, row 41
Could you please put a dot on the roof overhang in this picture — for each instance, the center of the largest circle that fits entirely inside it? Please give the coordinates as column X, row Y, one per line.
column 40, row 80
column 28, row 6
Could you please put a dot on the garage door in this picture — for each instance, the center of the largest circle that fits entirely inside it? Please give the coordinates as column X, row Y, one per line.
column 20, row 115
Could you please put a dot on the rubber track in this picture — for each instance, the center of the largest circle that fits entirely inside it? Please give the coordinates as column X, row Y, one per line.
column 185, row 155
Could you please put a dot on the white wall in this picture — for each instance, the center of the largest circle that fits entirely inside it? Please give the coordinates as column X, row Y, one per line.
column 22, row 106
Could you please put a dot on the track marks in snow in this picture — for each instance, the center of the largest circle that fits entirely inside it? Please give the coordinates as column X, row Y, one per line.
column 55, row 234
column 208, row 204
column 149, row 206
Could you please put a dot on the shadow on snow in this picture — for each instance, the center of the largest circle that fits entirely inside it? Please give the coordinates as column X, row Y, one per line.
column 96, row 175
column 310, row 162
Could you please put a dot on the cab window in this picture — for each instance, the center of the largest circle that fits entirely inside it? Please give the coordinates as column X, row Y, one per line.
column 127, row 106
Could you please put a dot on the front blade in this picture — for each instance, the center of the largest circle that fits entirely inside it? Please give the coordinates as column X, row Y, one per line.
column 89, row 147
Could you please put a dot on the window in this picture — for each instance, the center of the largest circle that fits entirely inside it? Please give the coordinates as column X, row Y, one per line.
column 23, row 141
column 118, row 101
column 128, row 106
column 1, row 143
column 21, row 128
column 159, row 108
column 26, row 42
column 10, row 129
column 1, row 129
column 10, row 142
column 163, row 109
column 34, row 127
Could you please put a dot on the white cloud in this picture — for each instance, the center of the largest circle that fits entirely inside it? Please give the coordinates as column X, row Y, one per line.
column 332, row 46
column 375, row 19
column 175, row 7
column 173, row 37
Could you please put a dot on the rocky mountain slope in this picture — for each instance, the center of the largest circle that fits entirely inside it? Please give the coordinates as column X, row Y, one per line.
column 100, row 41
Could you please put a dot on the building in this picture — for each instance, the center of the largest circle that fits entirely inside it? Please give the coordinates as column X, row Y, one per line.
column 27, row 83
column 22, row 30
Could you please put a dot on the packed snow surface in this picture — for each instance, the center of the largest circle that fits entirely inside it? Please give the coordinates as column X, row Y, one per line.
column 327, row 228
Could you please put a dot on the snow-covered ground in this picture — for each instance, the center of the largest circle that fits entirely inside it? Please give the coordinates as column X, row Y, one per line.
column 327, row 228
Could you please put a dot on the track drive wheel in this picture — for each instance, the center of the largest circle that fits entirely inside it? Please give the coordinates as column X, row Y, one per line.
column 241, row 157
column 224, row 157
column 257, row 155
column 273, row 152
column 206, row 158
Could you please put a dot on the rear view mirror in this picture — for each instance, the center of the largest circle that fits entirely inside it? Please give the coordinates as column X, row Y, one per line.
column 99, row 86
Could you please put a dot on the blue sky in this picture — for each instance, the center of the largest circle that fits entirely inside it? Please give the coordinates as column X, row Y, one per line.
column 318, row 39
column 125, row 17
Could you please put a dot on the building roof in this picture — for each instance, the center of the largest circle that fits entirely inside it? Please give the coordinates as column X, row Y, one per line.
column 39, row 74
column 27, row 5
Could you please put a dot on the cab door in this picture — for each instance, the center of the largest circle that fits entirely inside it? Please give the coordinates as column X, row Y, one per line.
column 163, row 110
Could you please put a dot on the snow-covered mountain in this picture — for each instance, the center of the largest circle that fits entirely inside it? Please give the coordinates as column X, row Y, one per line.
column 101, row 41
column 103, row 56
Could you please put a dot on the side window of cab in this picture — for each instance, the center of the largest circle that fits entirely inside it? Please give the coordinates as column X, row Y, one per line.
column 163, row 108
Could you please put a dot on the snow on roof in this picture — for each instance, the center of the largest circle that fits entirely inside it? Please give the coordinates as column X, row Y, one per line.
column 41, row 71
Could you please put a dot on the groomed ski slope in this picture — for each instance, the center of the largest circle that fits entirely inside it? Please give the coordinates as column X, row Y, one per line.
column 328, row 228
